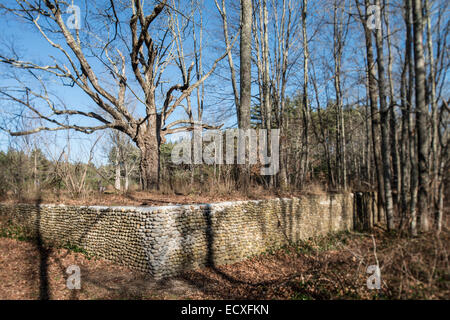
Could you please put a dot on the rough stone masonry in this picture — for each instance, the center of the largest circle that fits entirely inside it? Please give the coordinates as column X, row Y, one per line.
column 165, row 241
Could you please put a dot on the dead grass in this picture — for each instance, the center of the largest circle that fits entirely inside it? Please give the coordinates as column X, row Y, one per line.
column 154, row 198
column 314, row 188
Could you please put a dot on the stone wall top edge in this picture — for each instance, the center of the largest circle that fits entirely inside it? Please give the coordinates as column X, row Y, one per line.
column 178, row 207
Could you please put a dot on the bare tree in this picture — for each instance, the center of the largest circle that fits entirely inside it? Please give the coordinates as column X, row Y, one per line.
column 385, row 146
column 434, row 120
column 411, row 132
column 124, row 157
column 74, row 175
column 246, row 78
column 150, row 55
column 421, row 115
column 274, row 67
column 261, row 39
column 226, row 34
column 305, row 105
column 392, row 117
column 340, row 30
column 373, row 99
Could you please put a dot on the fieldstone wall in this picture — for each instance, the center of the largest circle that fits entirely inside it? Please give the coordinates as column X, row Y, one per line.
column 165, row 241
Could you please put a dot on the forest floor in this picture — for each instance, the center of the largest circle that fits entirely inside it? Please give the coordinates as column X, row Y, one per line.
column 331, row 267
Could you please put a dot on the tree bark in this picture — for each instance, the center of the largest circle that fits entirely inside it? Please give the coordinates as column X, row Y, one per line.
column 305, row 104
column 404, row 141
column 149, row 143
column 385, row 146
column 339, row 43
column 117, row 185
column 245, row 81
column 434, row 123
column 373, row 98
column 223, row 12
column 421, row 116
column 410, row 123
column 392, row 120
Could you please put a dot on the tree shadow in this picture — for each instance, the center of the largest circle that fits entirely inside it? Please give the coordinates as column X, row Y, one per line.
column 214, row 280
column 209, row 283
column 197, row 279
column 364, row 215
column 43, row 251
column 46, row 250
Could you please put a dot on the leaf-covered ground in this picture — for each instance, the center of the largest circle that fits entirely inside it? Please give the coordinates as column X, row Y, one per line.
column 332, row 267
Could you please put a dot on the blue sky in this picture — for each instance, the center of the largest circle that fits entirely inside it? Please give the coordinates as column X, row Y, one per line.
column 31, row 45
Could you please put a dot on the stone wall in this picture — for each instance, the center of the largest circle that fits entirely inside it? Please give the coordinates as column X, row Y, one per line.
column 167, row 240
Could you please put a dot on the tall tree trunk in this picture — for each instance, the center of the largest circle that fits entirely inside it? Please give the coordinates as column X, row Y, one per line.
column 421, row 116
column 35, row 172
column 223, row 12
column 443, row 140
column 367, row 145
column 340, row 125
column 373, row 98
column 117, row 185
column 392, row 120
column 412, row 138
column 305, row 104
column 434, row 123
column 385, row 146
column 245, row 81
column 266, row 65
column 404, row 139
column 127, row 179
column 264, row 18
